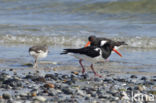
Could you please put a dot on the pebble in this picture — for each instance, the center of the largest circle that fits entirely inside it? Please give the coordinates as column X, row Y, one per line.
column 13, row 82
column 6, row 96
column 51, row 76
column 39, row 79
column 105, row 96
column 73, row 88
column 80, row 92
column 40, row 98
column 133, row 76
column 143, row 78
column 53, row 92
column 33, row 94
column 67, row 90
column 49, row 85
column 84, row 76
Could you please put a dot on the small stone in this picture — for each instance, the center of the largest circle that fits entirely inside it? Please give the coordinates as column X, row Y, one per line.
column 69, row 82
column 6, row 96
column 13, row 82
column 40, row 98
column 65, row 76
column 87, row 98
column 39, row 79
column 49, row 85
column 153, row 80
column 120, row 79
column 23, row 94
column 67, row 90
column 76, row 73
column 97, row 79
column 93, row 94
column 4, row 76
column 124, row 96
column 84, row 76
column 94, row 101
column 148, row 83
column 141, row 88
column 129, row 88
column 33, row 94
column 53, row 92
column 154, row 87
column 73, row 77
column 80, row 92
column 104, row 96
column 15, row 73
column 144, row 78
column 51, row 76
column 10, row 69
column 133, row 76
column 108, row 80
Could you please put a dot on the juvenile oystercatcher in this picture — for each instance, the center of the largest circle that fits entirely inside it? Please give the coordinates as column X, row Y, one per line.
column 91, row 54
column 38, row 52
column 95, row 41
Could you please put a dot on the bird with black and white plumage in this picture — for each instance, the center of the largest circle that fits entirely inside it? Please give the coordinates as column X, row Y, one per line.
column 38, row 51
column 91, row 54
column 100, row 41
column 99, row 49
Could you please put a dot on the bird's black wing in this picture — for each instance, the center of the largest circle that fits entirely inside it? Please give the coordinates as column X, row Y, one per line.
column 89, row 51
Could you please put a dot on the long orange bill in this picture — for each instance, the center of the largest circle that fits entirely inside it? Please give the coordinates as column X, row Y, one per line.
column 88, row 43
column 117, row 52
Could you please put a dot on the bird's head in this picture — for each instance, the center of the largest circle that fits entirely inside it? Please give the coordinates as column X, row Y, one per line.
column 91, row 39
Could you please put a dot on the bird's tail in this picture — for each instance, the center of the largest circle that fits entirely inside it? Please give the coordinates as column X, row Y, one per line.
column 119, row 43
column 66, row 51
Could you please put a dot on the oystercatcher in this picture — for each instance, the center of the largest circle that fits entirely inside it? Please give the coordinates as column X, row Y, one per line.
column 38, row 52
column 91, row 54
column 94, row 41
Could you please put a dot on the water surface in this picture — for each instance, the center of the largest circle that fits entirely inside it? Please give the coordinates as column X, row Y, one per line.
column 67, row 24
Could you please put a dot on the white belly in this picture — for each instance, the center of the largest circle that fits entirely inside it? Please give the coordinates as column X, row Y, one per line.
column 87, row 58
column 41, row 54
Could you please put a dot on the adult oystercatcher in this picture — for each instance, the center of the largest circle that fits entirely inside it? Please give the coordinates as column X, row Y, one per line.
column 91, row 54
column 95, row 41
column 39, row 51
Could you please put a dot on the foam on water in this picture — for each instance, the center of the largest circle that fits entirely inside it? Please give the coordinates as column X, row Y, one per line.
column 133, row 42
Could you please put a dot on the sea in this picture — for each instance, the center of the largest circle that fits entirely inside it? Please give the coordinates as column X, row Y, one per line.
column 68, row 23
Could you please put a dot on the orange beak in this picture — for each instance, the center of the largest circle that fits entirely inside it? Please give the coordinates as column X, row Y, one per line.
column 88, row 43
column 117, row 52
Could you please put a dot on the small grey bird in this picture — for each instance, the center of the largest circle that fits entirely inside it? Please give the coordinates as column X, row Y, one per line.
column 38, row 51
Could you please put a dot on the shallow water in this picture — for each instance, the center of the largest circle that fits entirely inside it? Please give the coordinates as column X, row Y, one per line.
column 65, row 23
column 141, row 60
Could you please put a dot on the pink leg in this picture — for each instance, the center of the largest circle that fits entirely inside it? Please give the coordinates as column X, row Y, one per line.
column 83, row 69
column 96, row 74
column 107, row 59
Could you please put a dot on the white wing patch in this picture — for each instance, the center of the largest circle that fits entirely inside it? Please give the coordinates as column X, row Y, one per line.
column 97, row 49
column 103, row 42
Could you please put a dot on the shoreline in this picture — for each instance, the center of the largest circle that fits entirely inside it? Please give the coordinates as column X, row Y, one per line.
column 67, row 84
